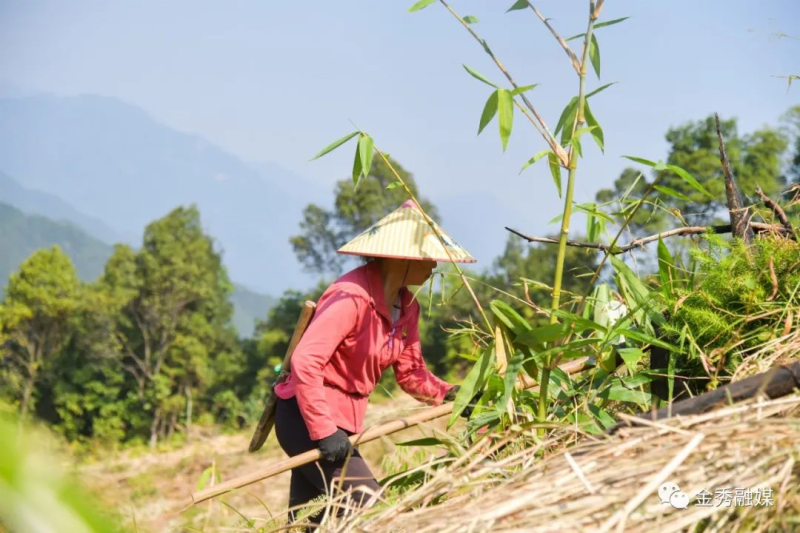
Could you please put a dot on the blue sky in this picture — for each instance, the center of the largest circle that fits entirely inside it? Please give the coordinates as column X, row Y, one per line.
column 276, row 81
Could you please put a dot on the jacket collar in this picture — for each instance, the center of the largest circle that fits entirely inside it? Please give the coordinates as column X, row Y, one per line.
column 377, row 299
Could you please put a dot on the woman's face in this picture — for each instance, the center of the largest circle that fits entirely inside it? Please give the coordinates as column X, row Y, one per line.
column 419, row 271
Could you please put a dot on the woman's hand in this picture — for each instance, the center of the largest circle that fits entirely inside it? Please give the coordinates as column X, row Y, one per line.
column 335, row 447
column 451, row 396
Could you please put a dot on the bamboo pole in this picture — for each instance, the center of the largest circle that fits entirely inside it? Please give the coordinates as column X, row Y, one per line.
column 268, row 416
column 368, row 435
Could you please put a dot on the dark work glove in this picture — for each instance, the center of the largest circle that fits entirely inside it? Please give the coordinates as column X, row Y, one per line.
column 451, row 396
column 335, row 447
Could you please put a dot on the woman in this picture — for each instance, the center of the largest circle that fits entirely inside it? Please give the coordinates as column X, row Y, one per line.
column 366, row 321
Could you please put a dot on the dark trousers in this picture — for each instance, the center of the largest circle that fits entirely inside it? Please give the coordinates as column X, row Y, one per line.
column 311, row 480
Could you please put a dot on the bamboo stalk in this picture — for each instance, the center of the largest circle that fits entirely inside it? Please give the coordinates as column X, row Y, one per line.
column 368, row 435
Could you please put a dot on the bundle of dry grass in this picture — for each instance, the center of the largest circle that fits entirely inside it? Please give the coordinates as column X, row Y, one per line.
column 611, row 483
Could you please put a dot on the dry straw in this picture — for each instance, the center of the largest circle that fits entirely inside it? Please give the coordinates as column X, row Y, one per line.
column 610, row 483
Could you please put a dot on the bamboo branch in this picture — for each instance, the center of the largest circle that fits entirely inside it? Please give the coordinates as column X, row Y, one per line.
column 573, row 58
column 639, row 243
column 540, row 125
column 777, row 209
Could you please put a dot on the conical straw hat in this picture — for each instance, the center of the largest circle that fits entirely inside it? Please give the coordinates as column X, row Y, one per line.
column 404, row 234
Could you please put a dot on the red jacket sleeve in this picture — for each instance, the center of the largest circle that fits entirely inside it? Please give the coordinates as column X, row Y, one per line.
column 336, row 316
column 412, row 374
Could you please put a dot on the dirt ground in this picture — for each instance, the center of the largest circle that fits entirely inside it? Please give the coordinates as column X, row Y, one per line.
column 151, row 491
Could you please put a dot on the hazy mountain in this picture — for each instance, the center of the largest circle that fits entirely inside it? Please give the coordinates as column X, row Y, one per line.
column 21, row 234
column 114, row 162
column 40, row 203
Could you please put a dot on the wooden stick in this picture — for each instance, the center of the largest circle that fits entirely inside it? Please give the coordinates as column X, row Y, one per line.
column 368, row 435
column 267, row 419
column 777, row 209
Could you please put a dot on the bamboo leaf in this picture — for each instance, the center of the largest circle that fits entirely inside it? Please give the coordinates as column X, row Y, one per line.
column 666, row 270
column 489, row 111
column 640, row 160
column 565, row 114
column 598, row 26
column 622, row 394
column 520, row 90
column 519, row 4
column 555, row 170
column 669, row 191
column 478, row 76
column 535, row 158
column 472, row 383
column 357, row 168
column 506, row 314
column 582, row 324
column 603, row 417
column 542, row 334
column 597, row 131
column 610, row 22
column 422, row 4
column 366, row 147
column 201, row 483
column 601, row 89
column 394, row 185
column 430, row 441
column 594, row 55
column 631, row 356
column 334, row 145
column 688, row 178
column 469, row 19
column 505, row 115
column 512, row 371
column 638, row 335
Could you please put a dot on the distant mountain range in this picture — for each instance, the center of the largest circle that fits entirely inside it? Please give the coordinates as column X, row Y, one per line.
column 118, row 169
column 21, row 234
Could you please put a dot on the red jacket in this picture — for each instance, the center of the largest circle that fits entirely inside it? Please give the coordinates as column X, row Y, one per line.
column 345, row 349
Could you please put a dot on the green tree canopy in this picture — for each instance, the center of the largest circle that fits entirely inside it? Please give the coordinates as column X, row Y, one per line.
column 35, row 321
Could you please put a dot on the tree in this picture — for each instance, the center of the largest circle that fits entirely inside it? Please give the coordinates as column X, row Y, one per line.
column 791, row 120
column 325, row 231
column 756, row 159
column 173, row 323
column 35, row 320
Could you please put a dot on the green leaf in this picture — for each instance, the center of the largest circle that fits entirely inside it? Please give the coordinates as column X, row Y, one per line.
column 597, row 131
column 394, row 185
column 201, row 483
column 422, row 4
column 357, row 169
column 631, row 356
column 366, row 147
column 469, row 19
column 665, row 268
column 535, row 158
column 603, row 417
column 594, row 55
column 581, row 131
column 512, row 320
column 582, row 324
column 512, row 371
column 489, row 111
column 520, row 90
column 472, row 383
column 555, row 170
column 519, row 4
column 601, row 89
column 505, row 115
column 609, row 23
column 598, row 26
column 637, row 335
column 568, row 111
column 669, row 191
column 688, row 178
column 542, row 334
column 430, row 441
column 335, row 145
column 640, row 160
column 478, row 76
column 637, row 294
column 622, row 394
